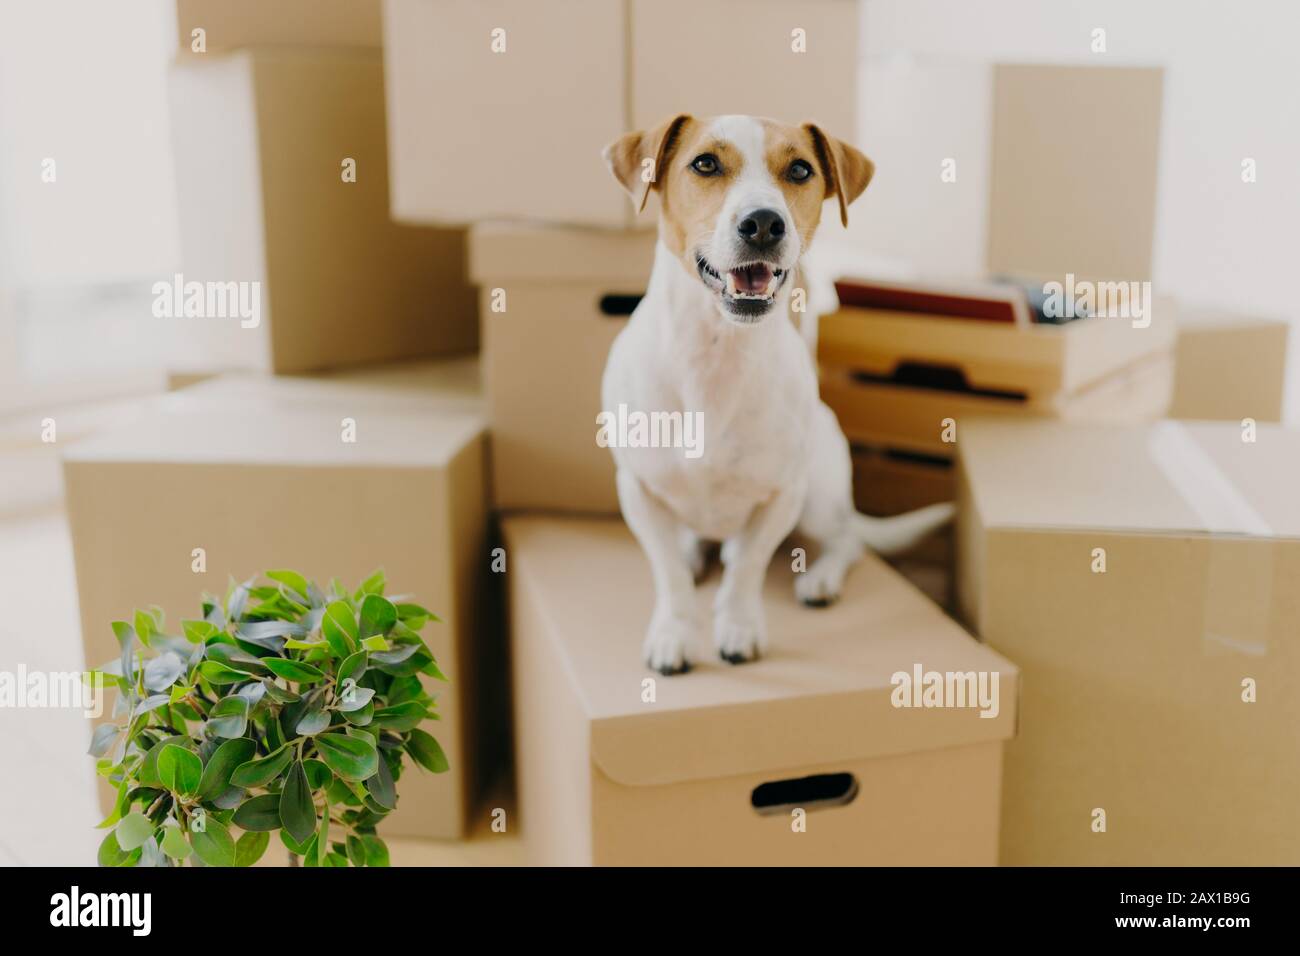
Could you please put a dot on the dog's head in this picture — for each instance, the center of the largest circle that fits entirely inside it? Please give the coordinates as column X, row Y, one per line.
column 740, row 198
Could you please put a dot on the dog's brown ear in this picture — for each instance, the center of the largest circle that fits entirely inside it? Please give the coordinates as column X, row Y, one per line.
column 846, row 169
column 637, row 160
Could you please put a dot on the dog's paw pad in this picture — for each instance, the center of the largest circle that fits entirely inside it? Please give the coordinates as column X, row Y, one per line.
column 737, row 639
column 665, row 648
column 816, row 589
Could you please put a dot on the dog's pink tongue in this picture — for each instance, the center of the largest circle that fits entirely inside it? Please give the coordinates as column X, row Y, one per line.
column 752, row 279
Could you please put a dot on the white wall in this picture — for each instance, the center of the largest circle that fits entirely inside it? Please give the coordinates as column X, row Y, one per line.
column 1232, row 78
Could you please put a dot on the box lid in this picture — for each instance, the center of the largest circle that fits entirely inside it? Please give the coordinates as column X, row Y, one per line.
column 1166, row 477
column 500, row 252
column 821, row 695
column 417, row 415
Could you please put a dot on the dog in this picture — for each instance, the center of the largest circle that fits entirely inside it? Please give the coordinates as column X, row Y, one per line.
column 740, row 198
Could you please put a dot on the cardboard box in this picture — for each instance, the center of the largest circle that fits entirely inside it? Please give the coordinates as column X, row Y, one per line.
column 550, row 92
column 229, row 24
column 618, row 765
column 1229, row 366
column 553, row 301
column 1142, row 578
column 1058, row 204
column 1015, row 193
column 896, row 379
column 890, row 482
column 262, row 138
column 257, row 473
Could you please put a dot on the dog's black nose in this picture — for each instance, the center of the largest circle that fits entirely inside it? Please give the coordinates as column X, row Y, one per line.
column 762, row 228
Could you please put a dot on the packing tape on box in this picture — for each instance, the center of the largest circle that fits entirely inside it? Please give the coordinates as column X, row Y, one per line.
column 1239, row 572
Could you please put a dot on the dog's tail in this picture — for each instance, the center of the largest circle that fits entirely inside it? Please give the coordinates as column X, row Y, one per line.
column 896, row 534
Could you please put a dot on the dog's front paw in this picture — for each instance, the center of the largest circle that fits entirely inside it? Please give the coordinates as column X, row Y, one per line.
column 665, row 646
column 739, row 637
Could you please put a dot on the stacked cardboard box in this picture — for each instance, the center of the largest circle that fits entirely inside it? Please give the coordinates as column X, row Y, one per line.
column 1142, row 578
column 1229, row 366
column 263, row 473
column 282, row 189
column 292, row 263
column 568, row 258
column 904, row 381
column 561, row 260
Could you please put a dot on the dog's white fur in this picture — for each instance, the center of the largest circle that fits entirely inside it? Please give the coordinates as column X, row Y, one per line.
column 775, row 457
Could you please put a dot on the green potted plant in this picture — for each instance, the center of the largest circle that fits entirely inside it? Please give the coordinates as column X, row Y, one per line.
column 284, row 708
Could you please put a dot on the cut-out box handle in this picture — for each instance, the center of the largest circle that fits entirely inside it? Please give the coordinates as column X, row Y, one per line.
column 817, row 792
column 619, row 305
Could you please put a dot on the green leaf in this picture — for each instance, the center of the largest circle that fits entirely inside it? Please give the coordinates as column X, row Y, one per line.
column 260, row 772
column 352, row 758
column 352, row 698
column 313, row 722
column 356, row 850
column 322, row 838
column 376, row 643
column 213, row 844
column 222, row 765
column 293, row 644
column 376, row 850
column 374, row 584
column 296, row 671
column 110, row 854
column 180, row 770
column 279, row 694
column 236, row 658
column 259, row 813
column 218, row 673
column 295, row 581
column 414, row 616
column 381, row 787
column 147, row 775
column 296, row 847
column 250, row 847
column 425, row 751
column 339, row 626
column 124, row 633
column 401, row 718
column 144, row 627
column 318, row 775
column 297, row 811
column 378, row 615
column 198, row 632
column 174, row 843
column 134, row 829
column 229, row 718
column 354, row 666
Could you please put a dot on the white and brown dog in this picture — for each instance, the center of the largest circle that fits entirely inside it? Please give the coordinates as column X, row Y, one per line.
column 740, row 199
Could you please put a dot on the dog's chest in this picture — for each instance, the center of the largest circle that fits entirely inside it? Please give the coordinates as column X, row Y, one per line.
column 752, row 410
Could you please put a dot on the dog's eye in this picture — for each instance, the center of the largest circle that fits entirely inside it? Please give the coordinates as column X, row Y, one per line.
column 706, row 164
column 799, row 172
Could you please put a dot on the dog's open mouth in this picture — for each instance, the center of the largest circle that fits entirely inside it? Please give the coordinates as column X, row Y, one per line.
column 748, row 289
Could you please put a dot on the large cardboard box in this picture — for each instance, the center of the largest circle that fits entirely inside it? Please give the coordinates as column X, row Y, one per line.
column 1143, row 579
column 260, row 475
column 618, row 765
column 1014, row 194
column 263, row 140
column 1056, row 205
column 552, row 302
column 229, row 24
column 1229, row 366
column 549, row 92
column 908, row 381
